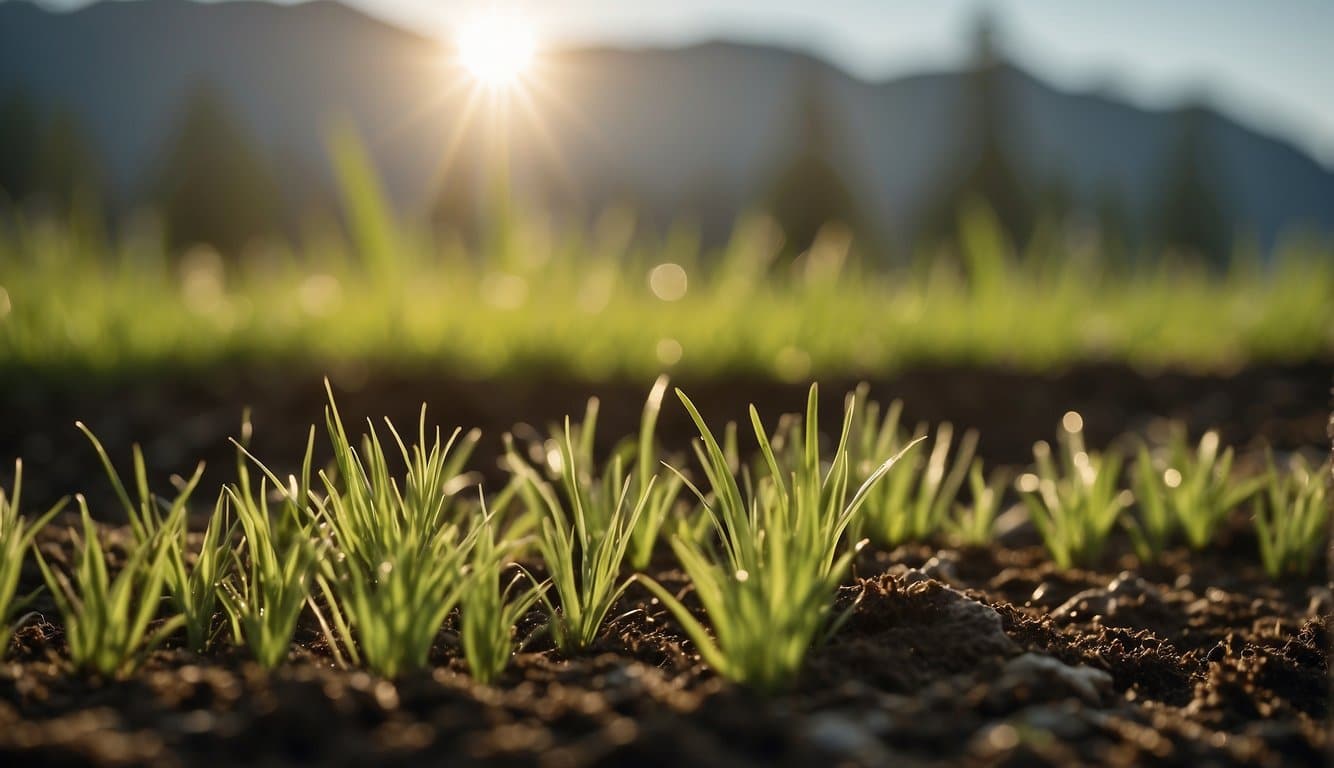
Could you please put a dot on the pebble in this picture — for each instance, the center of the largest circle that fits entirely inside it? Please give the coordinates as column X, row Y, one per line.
column 1034, row 671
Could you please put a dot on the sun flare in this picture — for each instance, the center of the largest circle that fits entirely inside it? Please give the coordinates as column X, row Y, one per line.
column 497, row 49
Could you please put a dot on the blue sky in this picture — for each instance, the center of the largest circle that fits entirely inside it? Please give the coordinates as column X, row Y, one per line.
column 1268, row 64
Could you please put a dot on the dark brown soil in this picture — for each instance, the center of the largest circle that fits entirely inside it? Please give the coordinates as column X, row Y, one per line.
column 977, row 657
column 184, row 416
column 950, row 657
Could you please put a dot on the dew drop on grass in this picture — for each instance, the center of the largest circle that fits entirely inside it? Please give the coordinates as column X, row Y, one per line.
column 1072, row 422
column 1172, row 478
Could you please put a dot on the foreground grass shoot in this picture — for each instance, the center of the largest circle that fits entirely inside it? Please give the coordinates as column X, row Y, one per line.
column 767, row 583
column 107, row 620
column 192, row 580
column 16, row 536
column 1292, row 518
column 1074, row 500
column 662, row 492
column 263, row 598
column 403, row 547
column 583, row 541
column 488, row 614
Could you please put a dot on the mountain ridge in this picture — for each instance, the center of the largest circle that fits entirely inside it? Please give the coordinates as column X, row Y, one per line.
column 670, row 127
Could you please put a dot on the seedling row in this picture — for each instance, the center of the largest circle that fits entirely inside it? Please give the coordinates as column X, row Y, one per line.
column 396, row 538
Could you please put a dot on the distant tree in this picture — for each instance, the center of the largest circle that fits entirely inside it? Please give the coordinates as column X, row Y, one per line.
column 986, row 174
column 808, row 191
column 1116, row 229
column 69, row 175
column 1191, row 213
column 47, row 163
column 20, row 141
column 214, row 184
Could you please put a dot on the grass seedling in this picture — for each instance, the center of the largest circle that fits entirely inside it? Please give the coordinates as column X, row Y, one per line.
column 1183, row 490
column 488, row 614
column 975, row 525
column 913, row 501
column 194, row 580
column 1292, row 518
column 1074, row 504
column 403, row 554
column 16, row 536
column 583, row 560
column 264, row 596
column 662, row 493
column 767, row 582
column 107, row 620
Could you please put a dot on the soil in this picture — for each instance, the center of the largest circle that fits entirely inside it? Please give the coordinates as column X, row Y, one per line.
column 950, row 656
column 182, row 416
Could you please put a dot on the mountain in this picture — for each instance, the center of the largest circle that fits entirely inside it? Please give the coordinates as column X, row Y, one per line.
column 704, row 128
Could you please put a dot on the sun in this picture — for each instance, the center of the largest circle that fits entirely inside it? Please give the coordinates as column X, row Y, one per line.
column 496, row 49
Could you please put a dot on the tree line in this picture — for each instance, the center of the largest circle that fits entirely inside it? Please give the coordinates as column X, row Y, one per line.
column 215, row 184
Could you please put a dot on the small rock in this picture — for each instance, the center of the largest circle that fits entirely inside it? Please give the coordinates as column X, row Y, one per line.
column 842, row 735
column 1125, row 591
column 1037, row 672
column 1014, row 528
column 942, row 567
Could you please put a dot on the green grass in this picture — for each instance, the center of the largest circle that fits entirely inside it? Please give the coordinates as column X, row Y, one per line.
column 1075, row 499
column 1292, row 517
column 584, row 303
column 488, row 613
column 403, row 545
column 106, row 618
column 378, row 560
column 192, row 580
column 16, row 537
column 583, row 538
column 277, row 556
column 1184, row 491
column 767, row 582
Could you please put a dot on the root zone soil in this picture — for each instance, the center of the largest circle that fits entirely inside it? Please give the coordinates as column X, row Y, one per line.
column 950, row 657
column 971, row 657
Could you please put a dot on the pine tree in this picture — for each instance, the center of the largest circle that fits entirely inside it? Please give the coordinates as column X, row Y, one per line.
column 214, row 185
column 808, row 191
column 1191, row 214
column 986, row 174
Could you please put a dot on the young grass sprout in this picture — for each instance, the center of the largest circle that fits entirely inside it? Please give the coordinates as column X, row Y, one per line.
column 488, row 614
column 107, row 619
column 16, row 536
column 914, row 500
column 1185, row 491
column 263, row 597
column 975, row 525
column 583, row 541
column 1074, row 504
column 402, row 554
column 1292, row 518
column 767, row 583
column 193, row 580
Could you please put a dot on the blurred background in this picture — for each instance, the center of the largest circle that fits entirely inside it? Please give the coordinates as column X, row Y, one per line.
column 1002, row 210
column 1193, row 126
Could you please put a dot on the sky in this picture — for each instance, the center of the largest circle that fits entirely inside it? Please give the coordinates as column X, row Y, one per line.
column 1267, row 64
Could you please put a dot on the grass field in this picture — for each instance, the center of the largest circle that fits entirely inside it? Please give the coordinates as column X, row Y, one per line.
column 611, row 302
